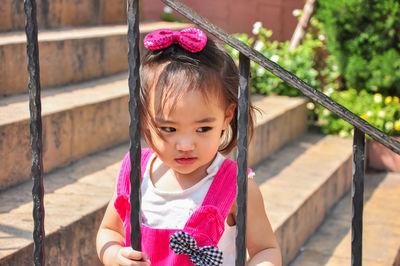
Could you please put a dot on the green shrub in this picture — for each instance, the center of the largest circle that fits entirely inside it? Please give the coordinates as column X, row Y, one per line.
column 311, row 63
column 382, row 112
column 300, row 61
column 364, row 36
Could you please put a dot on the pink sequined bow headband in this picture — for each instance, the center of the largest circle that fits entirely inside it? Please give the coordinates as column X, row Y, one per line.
column 191, row 39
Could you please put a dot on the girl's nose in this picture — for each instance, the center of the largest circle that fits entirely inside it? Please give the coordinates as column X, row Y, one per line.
column 185, row 143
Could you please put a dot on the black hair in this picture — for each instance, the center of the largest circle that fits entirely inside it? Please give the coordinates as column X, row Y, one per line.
column 172, row 71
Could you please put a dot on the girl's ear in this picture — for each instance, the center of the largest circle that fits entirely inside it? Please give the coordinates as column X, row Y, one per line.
column 229, row 113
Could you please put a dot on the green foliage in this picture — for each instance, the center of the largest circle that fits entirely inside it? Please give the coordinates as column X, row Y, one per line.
column 364, row 36
column 382, row 112
column 300, row 61
column 311, row 62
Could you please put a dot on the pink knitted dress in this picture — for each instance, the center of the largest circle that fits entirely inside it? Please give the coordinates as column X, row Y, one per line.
column 205, row 225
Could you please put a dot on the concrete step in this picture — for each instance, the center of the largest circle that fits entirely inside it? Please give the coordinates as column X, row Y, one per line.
column 77, row 194
column 280, row 120
column 75, row 200
column 300, row 183
column 77, row 120
column 85, row 118
column 68, row 55
column 331, row 244
column 55, row 13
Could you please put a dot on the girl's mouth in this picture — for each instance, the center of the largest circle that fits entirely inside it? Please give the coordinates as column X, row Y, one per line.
column 186, row 160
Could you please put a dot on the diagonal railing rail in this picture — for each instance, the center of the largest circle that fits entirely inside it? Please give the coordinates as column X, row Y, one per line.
column 246, row 54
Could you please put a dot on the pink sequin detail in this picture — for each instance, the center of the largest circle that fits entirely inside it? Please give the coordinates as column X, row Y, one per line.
column 191, row 39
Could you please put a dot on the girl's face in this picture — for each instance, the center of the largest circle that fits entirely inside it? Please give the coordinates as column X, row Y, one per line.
column 190, row 131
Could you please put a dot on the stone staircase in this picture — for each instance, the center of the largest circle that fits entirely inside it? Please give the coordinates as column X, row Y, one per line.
column 83, row 63
column 330, row 244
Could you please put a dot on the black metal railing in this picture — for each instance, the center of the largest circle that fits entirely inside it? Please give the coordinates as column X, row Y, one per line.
column 357, row 195
column 246, row 54
column 35, row 108
column 241, row 191
column 134, row 125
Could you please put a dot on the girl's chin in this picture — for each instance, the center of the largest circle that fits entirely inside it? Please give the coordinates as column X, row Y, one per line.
column 187, row 169
column 191, row 169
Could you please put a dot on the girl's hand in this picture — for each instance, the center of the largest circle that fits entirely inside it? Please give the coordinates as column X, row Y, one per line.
column 127, row 256
column 110, row 239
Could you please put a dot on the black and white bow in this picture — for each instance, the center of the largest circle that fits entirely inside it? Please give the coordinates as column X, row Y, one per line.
column 183, row 243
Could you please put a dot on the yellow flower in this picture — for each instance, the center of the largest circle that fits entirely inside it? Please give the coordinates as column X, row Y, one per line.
column 397, row 125
column 388, row 99
column 364, row 116
column 395, row 99
column 378, row 97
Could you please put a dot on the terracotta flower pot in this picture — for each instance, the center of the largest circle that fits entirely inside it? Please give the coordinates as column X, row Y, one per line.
column 381, row 158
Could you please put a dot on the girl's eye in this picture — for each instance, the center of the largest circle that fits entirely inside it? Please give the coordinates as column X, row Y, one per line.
column 168, row 129
column 203, row 129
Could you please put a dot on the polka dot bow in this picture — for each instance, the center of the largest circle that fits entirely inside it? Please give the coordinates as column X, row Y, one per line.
column 191, row 39
column 183, row 243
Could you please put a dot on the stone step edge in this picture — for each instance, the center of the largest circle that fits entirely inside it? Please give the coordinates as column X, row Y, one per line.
column 331, row 243
column 309, row 199
column 60, row 99
column 77, row 120
column 102, row 104
column 72, row 193
column 54, row 13
column 73, row 244
column 86, row 32
column 69, row 56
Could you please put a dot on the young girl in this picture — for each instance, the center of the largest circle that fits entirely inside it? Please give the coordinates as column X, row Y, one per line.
column 188, row 108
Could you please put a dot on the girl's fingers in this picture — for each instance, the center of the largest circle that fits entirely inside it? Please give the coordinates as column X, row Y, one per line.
column 129, row 253
column 134, row 257
column 146, row 258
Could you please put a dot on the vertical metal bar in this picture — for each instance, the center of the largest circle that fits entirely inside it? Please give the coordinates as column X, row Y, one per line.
column 241, row 193
column 357, row 194
column 32, row 49
column 134, row 126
